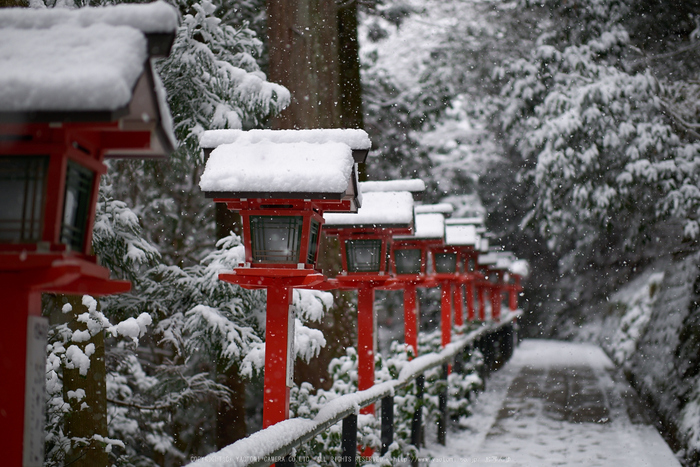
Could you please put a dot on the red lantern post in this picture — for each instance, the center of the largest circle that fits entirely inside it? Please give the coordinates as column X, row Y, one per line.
column 57, row 125
column 446, row 271
column 365, row 240
column 282, row 182
column 491, row 282
column 409, row 264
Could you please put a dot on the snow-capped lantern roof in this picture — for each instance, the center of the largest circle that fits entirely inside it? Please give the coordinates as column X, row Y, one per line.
column 385, row 204
column 273, row 170
column 520, row 267
column 89, row 65
column 380, row 209
column 488, row 259
column 443, row 208
column 503, row 260
column 356, row 139
column 429, row 226
column 483, row 244
column 461, row 235
column 477, row 221
column 415, row 186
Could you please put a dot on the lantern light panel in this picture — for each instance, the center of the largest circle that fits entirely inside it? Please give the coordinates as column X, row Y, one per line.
column 410, row 251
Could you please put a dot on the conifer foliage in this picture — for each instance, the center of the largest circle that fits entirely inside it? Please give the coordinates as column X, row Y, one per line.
column 168, row 341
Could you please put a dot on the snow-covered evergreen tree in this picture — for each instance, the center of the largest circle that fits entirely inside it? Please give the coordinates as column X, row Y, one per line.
column 155, row 228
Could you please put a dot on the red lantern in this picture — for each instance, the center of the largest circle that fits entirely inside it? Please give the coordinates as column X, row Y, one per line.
column 282, row 184
column 365, row 240
column 463, row 233
column 488, row 284
column 63, row 110
column 409, row 260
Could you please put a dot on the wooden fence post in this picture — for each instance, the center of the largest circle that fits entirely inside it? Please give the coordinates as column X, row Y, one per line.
column 387, row 423
column 442, row 405
column 417, row 422
column 349, row 441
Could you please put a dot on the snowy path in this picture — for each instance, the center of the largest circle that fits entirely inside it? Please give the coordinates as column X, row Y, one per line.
column 553, row 404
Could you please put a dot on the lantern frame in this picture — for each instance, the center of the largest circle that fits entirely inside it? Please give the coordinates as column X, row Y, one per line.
column 279, row 276
column 74, row 136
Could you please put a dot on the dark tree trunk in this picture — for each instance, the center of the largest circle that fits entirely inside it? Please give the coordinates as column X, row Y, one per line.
column 303, row 50
column 88, row 415
column 349, row 67
column 230, row 421
column 313, row 52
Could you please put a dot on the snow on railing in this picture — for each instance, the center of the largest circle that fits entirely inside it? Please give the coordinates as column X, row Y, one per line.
column 273, row 443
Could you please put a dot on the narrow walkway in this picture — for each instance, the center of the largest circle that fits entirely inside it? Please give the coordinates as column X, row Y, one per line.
column 556, row 404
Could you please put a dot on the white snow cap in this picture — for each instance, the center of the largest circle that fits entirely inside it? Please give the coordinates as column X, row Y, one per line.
column 462, row 235
column 430, row 225
column 474, row 220
column 87, row 59
column 444, row 208
column 266, row 167
column 379, row 208
column 156, row 17
column 505, row 259
column 486, row 259
column 355, row 139
column 414, row 186
column 484, row 245
column 520, row 267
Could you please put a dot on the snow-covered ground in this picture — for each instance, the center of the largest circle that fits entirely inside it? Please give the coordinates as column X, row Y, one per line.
column 555, row 403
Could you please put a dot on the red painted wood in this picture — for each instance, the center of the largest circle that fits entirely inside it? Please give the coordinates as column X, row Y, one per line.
column 410, row 319
column 18, row 304
column 260, row 278
column 446, row 312
column 496, row 301
column 514, row 290
column 480, row 293
column 276, row 391
column 365, row 342
column 469, row 289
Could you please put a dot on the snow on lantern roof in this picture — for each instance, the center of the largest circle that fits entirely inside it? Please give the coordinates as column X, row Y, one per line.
column 430, row 225
column 150, row 18
column 357, row 140
column 504, row 260
column 461, row 235
column 88, row 65
column 93, row 68
column 443, row 208
column 484, row 245
column 488, row 259
column 414, row 186
column 472, row 220
column 520, row 267
column 379, row 209
column 279, row 170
